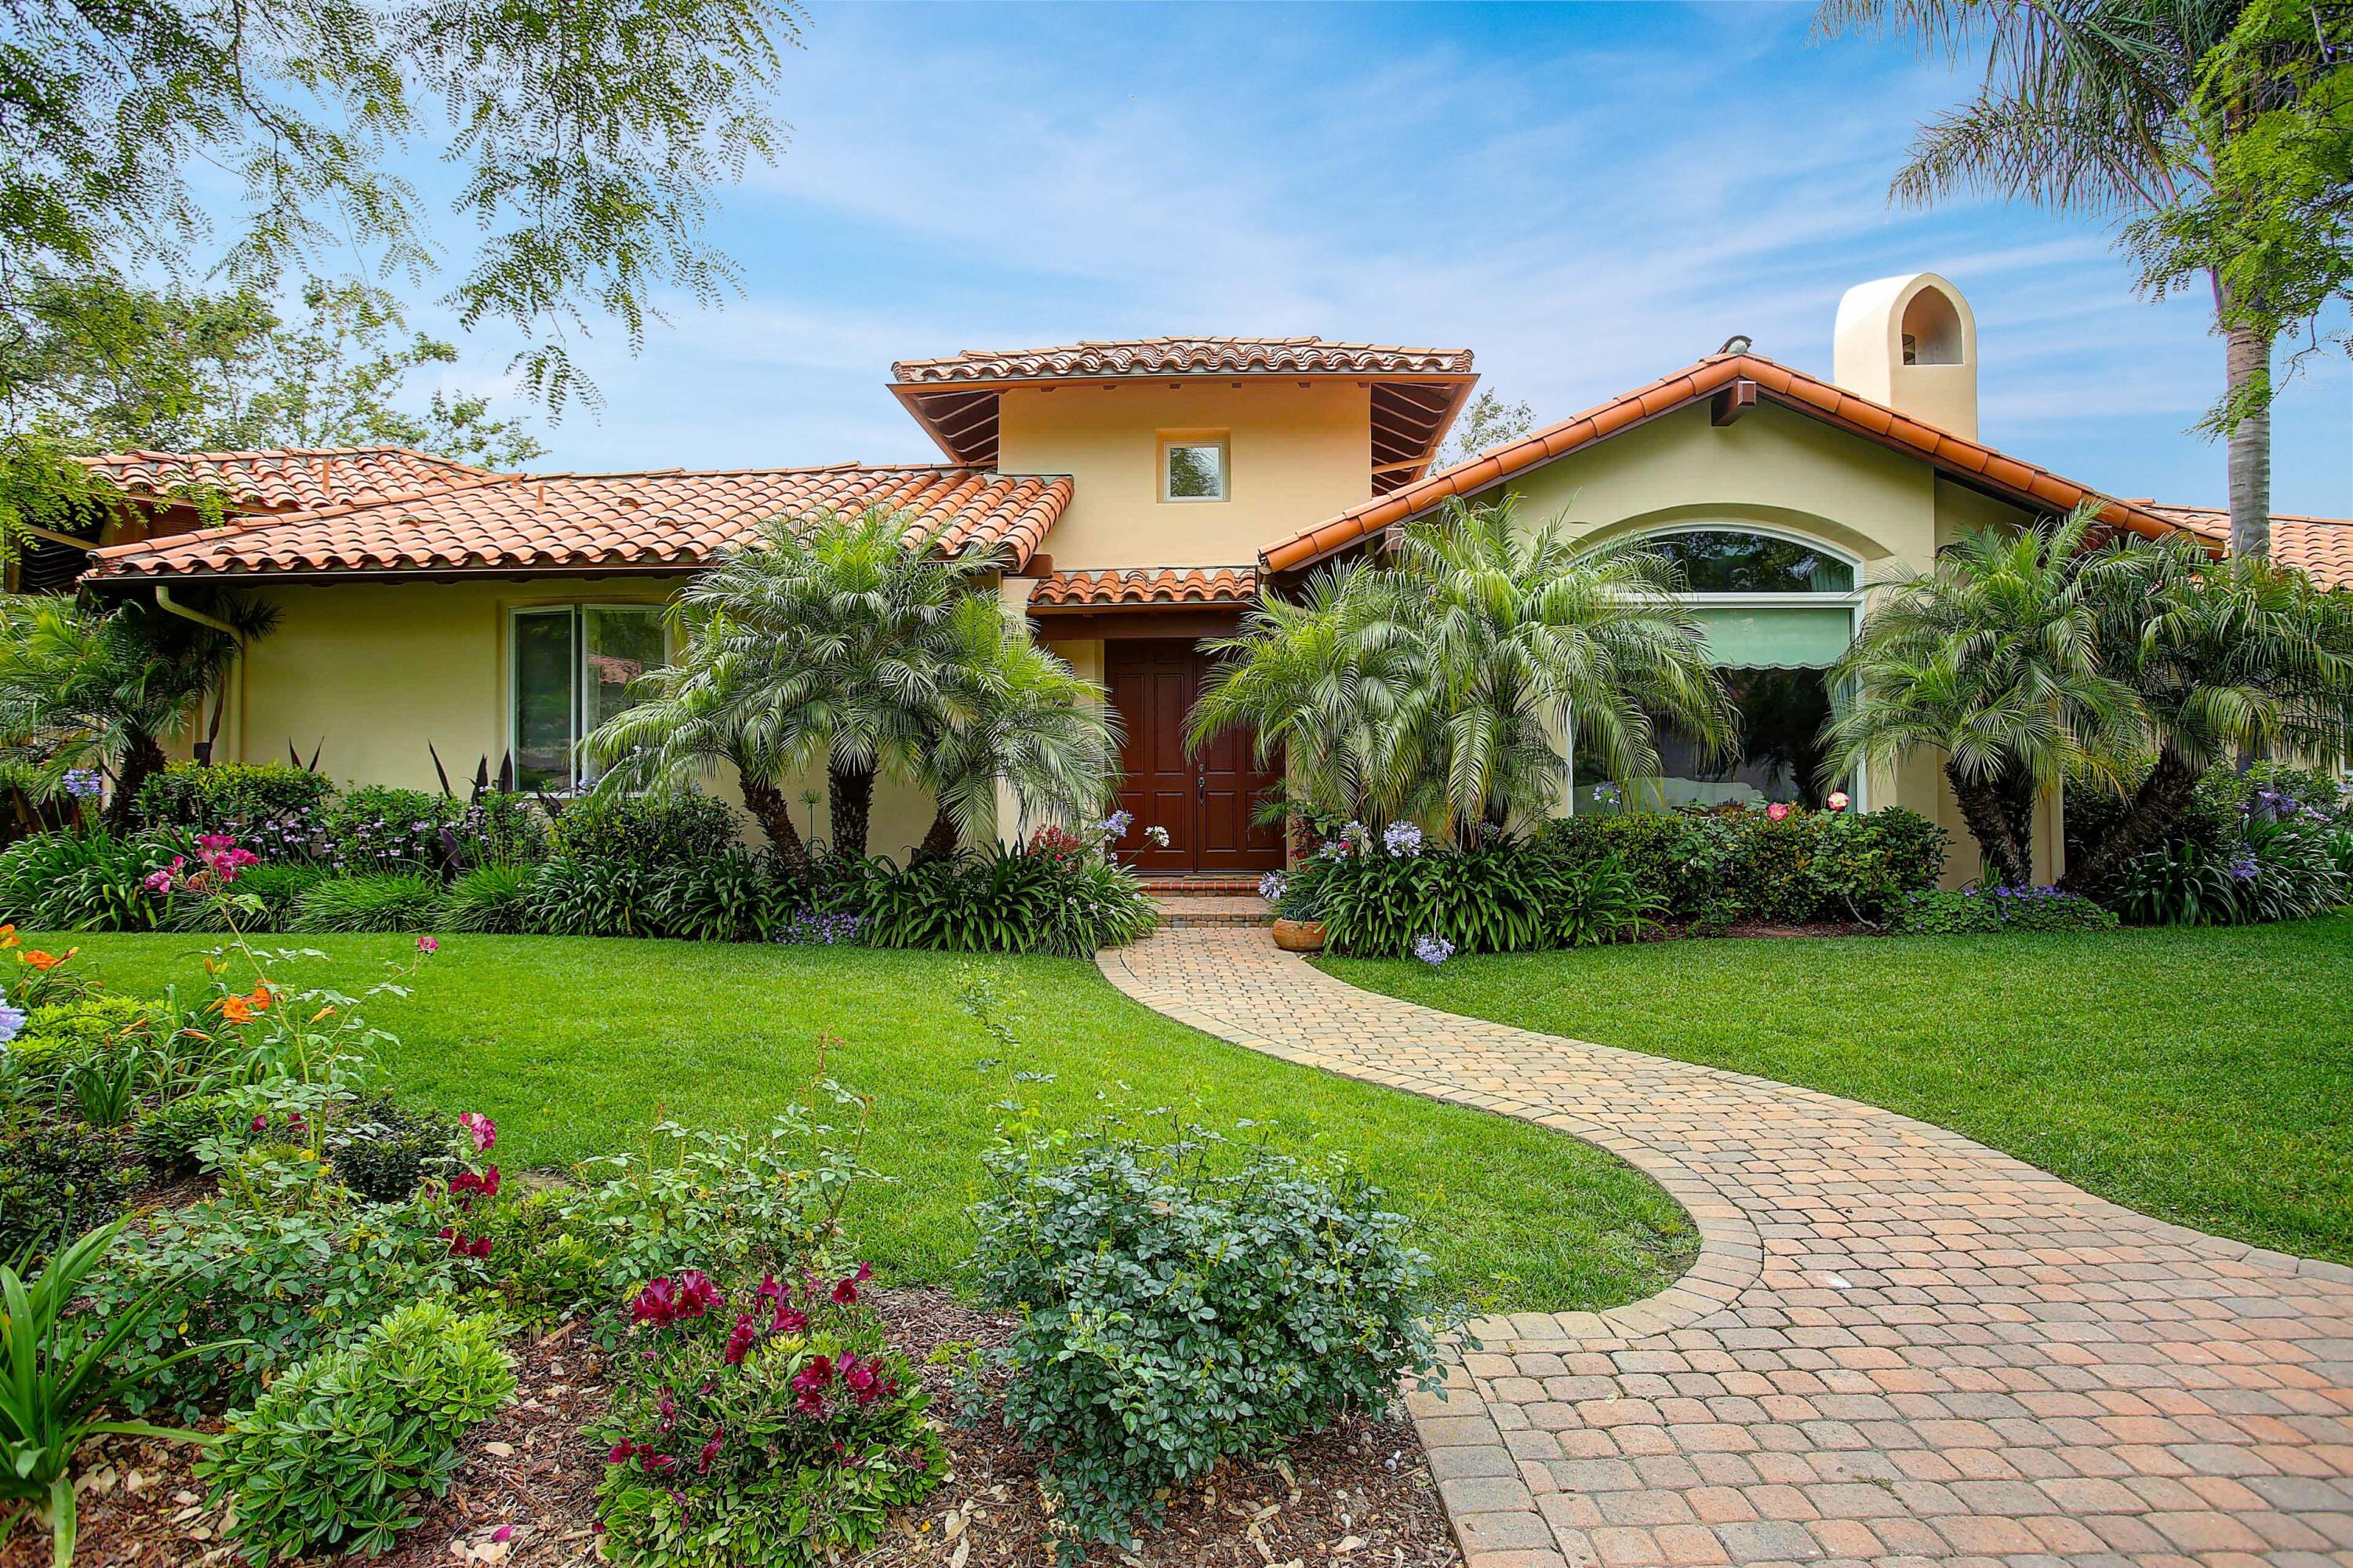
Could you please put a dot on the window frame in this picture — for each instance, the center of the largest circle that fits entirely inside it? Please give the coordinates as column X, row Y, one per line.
column 1171, row 440
column 1851, row 599
column 576, row 612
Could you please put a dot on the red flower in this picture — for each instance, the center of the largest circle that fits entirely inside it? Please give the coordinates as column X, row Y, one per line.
column 809, row 1385
column 770, row 1290
column 697, row 1294
column 739, row 1343
column 861, row 1379
column 845, row 1291
column 656, row 1304
column 711, row 1449
column 788, row 1320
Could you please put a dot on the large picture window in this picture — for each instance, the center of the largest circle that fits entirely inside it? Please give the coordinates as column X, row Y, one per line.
column 1777, row 611
column 576, row 666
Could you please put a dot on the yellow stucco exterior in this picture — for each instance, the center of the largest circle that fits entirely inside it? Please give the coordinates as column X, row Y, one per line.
column 1298, row 451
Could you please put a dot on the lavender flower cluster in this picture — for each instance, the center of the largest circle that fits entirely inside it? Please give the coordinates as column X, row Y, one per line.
column 1432, row 948
column 813, row 928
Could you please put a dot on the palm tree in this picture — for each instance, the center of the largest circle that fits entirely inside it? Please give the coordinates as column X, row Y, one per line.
column 1454, row 678
column 1017, row 715
column 81, row 687
column 2095, row 106
column 2227, row 658
column 1993, row 658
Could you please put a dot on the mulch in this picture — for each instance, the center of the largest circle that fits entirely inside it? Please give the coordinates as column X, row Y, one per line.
column 1357, row 1495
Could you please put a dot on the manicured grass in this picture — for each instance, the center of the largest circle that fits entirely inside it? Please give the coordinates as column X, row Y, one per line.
column 575, row 1046
column 2205, row 1076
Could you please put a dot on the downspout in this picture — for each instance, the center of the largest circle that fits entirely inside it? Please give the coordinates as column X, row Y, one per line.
column 170, row 606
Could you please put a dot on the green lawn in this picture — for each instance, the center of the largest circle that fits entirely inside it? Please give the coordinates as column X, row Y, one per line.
column 2205, row 1076
column 576, row 1045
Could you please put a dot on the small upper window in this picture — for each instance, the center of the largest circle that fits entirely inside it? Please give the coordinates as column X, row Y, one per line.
column 1193, row 471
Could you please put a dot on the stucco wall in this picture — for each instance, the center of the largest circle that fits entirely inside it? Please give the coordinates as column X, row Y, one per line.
column 369, row 673
column 1783, row 470
column 1297, row 453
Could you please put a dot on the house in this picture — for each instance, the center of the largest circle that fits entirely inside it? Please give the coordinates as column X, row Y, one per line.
column 1139, row 495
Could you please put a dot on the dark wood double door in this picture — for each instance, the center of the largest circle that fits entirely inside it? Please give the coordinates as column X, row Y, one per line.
column 1204, row 802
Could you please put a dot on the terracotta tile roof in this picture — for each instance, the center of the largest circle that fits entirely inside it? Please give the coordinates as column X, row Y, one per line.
column 2322, row 548
column 1167, row 585
column 290, row 479
column 588, row 521
column 1952, row 454
column 1153, row 356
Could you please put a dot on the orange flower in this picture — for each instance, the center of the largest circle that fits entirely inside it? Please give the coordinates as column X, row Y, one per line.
column 261, row 999
column 44, row 962
column 8, row 937
column 235, row 1010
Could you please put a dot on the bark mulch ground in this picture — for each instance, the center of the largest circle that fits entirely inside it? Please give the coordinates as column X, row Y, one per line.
column 1358, row 1496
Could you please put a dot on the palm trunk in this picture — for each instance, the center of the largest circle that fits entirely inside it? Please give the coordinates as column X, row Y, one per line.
column 940, row 841
column 141, row 759
column 775, row 814
column 2157, row 808
column 2247, row 391
column 2005, row 835
column 850, row 802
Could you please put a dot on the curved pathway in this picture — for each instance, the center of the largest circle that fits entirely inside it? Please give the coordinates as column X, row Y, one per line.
column 1896, row 1346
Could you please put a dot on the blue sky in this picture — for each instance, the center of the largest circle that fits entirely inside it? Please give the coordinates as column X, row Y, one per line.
column 1589, row 196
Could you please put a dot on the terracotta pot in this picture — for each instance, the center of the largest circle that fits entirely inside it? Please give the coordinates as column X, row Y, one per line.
column 1299, row 936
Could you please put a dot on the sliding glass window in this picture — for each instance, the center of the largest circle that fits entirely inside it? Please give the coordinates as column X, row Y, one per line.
column 575, row 665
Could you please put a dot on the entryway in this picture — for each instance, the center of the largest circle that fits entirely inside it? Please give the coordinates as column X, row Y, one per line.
column 1205, row 802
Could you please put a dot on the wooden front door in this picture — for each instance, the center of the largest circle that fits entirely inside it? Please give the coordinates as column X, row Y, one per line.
column 1205, row 802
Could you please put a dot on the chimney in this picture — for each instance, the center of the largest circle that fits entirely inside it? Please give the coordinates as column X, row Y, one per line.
column 1912, row 344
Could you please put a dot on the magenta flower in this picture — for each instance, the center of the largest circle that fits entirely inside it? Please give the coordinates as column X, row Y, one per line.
column 740, row 1342
column 1776, row 811
column 788, row 1320
column 159, row 883
column 1837, row 801
column 697, row 1294
column 656, row 1304
column 483, row 1131
column 711, row 1451
column 845, row 1291
column 428, row 945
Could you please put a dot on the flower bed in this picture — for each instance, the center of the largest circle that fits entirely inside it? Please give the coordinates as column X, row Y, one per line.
column 407, row 861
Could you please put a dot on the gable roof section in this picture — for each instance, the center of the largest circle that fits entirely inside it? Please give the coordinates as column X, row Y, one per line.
column 669, row 519
column 1416, row 392
column 1146, row 588
column 300, row 479
column 1965, row 460
column 2321, row 547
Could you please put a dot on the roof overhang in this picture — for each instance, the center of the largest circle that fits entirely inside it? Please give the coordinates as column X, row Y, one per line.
column 1742, row 380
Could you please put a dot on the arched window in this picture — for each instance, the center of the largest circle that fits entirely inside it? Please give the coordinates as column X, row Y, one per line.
column 1723, row 560
column 1778, row 610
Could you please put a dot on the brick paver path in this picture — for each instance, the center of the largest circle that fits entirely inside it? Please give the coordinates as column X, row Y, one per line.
column 1896, row 1346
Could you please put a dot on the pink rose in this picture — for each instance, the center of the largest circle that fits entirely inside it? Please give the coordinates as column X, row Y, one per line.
column 1837, row 802
column 1776, row 811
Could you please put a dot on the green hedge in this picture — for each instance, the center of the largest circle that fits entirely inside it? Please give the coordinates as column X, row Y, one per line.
column 187, row 795
column 1710, row 868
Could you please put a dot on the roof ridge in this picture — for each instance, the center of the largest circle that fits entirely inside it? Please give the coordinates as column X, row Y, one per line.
column 261, row 522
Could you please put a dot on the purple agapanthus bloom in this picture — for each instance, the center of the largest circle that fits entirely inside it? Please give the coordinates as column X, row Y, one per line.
column 2243, row 867
column 84, row 783
column 12, row 1021
column 1402, row 839
column 1432, row 949
column 1271, row 886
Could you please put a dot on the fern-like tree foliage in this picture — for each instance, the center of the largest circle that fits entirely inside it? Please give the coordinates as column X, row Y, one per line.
column 845, row 642
column 1449, row 679
column 2138, row 112
column 87, row 688
column 1992, row 659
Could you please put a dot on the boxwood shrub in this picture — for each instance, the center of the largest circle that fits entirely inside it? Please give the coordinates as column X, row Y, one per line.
column 645, row 830
column 230, row 794
column 1709, row 868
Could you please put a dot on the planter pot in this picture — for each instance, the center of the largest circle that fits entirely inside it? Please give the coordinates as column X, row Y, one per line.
column 1299, row 936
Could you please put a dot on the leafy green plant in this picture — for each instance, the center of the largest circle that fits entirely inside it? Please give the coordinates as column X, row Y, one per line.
column 730, row 896
column 663, row 829
column 167, row 1137
column 93, row 881
column 333, row 1455
column 1181, row 1302
column 997, row 900
column 770, row 1424
column 1598, row 902
column 381, row 1152
column 106, row 1092
column 1972, row 910
column 494, row 900
column 269, row 896
column 231, row 796
column 384, row 901
column 571, row 897
column 57, row 1181
column 54, row 1384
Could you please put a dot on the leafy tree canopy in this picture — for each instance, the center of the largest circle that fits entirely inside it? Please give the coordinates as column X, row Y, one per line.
column 1489, row 421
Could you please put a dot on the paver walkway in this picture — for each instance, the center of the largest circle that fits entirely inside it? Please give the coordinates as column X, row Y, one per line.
column 1897, row 1346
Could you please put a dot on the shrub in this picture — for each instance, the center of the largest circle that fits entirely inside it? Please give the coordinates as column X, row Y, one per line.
column 733, row 896
column 381, row 901
column 92, row 881
column 766, row 1424
column 1177, row 1306
column 1970, row 910
column 996, row 900
column 275, row 887
column 230, row 795
column 282, row 1285
column 648, row 831
column 494, row 900
column 1710, row 868
column 377, row 829
column 572, row 896
column 333, row 1455
column 59, row 1181
column 92, row 1028
column 381, row 1152
column 1502, row 895
column 166, row 1137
